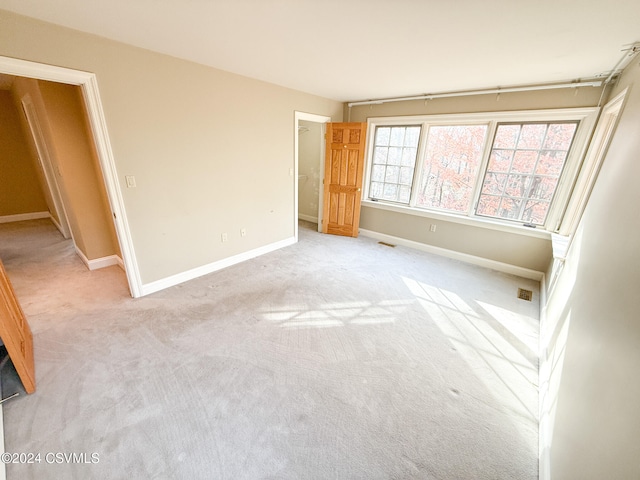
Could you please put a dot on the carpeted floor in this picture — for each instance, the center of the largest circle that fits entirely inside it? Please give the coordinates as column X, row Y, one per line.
column 335, row 358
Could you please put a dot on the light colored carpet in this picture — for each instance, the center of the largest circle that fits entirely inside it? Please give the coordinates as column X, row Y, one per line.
column 335, row 358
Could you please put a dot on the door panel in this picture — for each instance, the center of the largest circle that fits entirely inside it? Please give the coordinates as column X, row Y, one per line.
column 344, row 167
column 16, row 334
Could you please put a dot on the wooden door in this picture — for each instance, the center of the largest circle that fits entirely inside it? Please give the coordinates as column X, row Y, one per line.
column 16, row 334
column 344, row 166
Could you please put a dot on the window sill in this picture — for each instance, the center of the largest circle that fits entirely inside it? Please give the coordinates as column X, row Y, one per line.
column 473, row 221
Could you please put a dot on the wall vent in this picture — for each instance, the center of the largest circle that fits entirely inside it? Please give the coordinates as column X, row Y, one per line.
column 525, row 294
column 387, row 244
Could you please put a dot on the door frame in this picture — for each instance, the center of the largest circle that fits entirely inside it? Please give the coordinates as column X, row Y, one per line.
column 89, row 86
column 309, row 117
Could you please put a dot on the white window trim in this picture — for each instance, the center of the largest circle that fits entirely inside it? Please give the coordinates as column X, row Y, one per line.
column 597, row 150
column 586, row 116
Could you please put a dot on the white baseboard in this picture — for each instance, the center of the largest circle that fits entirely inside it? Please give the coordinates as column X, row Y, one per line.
column 464, row 257
column 173, row 280
column 20, row 217
column 101, row 262
column 308, row 218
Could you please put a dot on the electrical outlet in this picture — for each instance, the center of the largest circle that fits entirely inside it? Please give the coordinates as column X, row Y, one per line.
column 432, row 228
column 243, row 232
column 225, row 237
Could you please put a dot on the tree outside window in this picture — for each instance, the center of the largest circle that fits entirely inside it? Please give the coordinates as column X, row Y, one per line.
column 452, row 169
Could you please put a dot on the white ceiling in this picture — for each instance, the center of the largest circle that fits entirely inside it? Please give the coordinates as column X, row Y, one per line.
column 363, row 49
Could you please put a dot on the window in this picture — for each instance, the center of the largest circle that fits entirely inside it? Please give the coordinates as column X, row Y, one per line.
column 394, row 160
column 505, row 166
column 451, row 164
column 525, row 164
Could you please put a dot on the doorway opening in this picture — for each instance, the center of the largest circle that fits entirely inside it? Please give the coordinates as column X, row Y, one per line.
column 108, row 180
column 309, row 168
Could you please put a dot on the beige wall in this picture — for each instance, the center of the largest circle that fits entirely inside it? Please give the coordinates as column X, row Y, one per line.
column 591, row 331
column 211, row 151
column 522, row 251
column 513, row 249
column 309, row 163
column 80, row 177
column 19, row 187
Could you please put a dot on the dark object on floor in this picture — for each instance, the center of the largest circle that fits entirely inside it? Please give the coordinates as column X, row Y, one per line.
column 10, row 384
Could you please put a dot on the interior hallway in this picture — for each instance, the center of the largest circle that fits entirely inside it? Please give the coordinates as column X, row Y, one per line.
column 332, row 358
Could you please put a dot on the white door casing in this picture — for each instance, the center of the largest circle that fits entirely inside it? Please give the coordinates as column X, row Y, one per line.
column 310, row 117
column 89, row 86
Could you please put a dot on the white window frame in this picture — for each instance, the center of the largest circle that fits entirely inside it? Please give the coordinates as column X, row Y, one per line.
column 585, row 116
column 602, row 134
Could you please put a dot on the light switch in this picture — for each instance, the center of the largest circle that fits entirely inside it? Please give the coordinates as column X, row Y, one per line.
column 131, row 181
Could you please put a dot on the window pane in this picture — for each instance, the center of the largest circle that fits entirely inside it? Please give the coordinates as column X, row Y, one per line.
column 377, row 173
column 394, row 159
column 412, row 136
column 551, row 162
column 559, row 136
column 535, row 211
column 380, row 155
column 506, row 136
column 531, row 136
column 409, row 157
column 500, row 160
column 390, row 192
column 395, row 156
column 376, row 190
column 397, row 136
column 543, row 188
column 406, row 176
column 510, row 208
column 449, row 172
column 494, row 183
column 534, row 169
column 382, row 136
column 517, row 185
column 524, row 161
column 392, row 175
column 405, row 194
column 489, row 205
